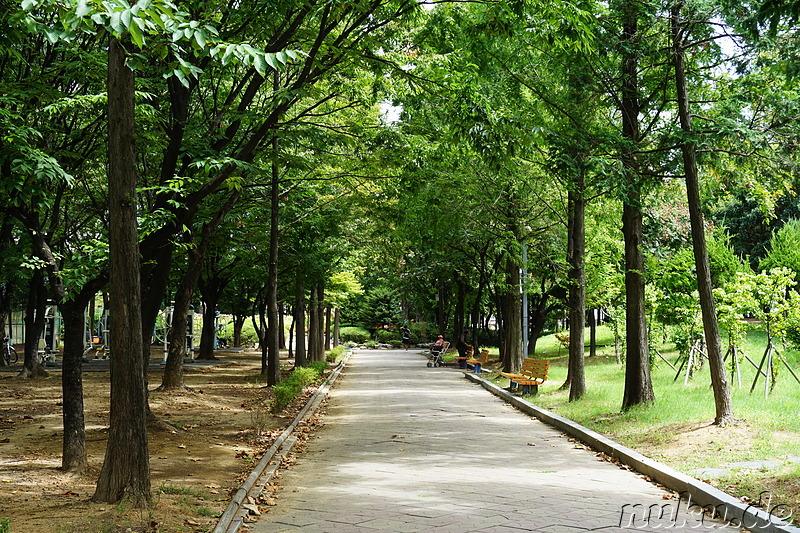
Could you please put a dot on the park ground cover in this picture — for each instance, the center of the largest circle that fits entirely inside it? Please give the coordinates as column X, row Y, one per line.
column 215, row 436
column 758, row 457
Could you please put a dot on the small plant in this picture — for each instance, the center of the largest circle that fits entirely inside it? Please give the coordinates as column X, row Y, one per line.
column 335, row 354
column 371, row 343
column 286, row 391
column 260, row 419
column 4, row 527
column 167, row 488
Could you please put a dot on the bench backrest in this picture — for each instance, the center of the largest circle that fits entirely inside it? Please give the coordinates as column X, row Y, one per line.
column 482, row 357
column 535, row 368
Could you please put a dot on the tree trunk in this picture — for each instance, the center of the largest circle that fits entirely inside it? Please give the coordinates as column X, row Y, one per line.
column 336, row 325
column 320, row 355
column 638, row 384
column 312, row 325
column 126, row 468
column 173, row 369
column 209, row 331
column 282, row 325
column 577, row 287
column 238, row 324
column 593, row 332
column 34, row 326
column 327, row 328
column 74, row 438
column 291, row 337
column 512, row 319
column 300, row 356
column 719, row 381
column 273, row 335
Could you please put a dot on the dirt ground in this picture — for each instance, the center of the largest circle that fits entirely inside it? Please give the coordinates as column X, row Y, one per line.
column 219, row 431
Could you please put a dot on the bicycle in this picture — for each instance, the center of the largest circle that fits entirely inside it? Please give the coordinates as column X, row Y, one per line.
column 9, row 353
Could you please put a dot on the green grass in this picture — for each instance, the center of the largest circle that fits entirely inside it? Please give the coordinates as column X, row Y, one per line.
column 678, row 428
column 168, row 488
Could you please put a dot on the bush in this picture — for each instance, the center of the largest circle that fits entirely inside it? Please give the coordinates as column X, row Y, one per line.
column 249, row 336
column 288, row 389
column 354, row 334
column 335, row 354
column 385, row 335
column 371, row 344
column 395, row 343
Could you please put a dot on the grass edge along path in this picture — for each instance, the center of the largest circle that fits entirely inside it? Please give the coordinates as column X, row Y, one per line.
column 700, row 494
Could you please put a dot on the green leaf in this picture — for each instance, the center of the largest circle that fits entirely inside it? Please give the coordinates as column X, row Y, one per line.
column 125, row 17
column 116, row 22
column 200, row 38
column 270, row 58
column 282, row 57
column 52, row 35
column 136, row 35
column 82, row 9
column 260, row 65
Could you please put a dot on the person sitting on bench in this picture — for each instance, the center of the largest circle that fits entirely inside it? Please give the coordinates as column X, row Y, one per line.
column 464, row 350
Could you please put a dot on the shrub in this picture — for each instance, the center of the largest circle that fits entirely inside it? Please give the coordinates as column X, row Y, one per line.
column 385, row 335
column 284, row 392
column 335, row 354
column 354, row 334
column 395, row 343
column 371, row 344
column 249, row 336
column 288, row 389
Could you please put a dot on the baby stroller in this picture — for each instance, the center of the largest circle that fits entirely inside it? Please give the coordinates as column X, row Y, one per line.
column 436, row 353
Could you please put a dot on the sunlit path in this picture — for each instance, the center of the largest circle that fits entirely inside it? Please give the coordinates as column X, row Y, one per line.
column 411, row 448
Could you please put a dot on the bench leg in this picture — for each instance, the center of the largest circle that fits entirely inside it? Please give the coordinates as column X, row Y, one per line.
column 530, row 389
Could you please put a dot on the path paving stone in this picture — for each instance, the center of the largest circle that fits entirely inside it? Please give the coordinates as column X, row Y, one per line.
column 410, row 448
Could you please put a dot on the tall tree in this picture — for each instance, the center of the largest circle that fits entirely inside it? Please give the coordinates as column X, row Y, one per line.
column 719, row 381
column 126, row 467
column 638, row 383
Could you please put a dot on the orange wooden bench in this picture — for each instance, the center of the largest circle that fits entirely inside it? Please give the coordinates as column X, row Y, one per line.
column 532, row 374
column 479, row 361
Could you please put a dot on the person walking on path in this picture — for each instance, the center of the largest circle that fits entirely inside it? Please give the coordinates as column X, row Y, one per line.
column 406, row 337
column 404, row 449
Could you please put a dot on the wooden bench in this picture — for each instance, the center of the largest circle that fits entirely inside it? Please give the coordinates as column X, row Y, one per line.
column 479, row 361
column 462, row 361
column 532, row 374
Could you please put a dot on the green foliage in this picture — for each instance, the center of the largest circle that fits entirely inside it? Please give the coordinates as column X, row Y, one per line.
column 335, row 354
column 249, row 335
column 385, row 336
column 288, row 389
column 784, row 249
column 378, row 306
column 354, row 334
column 4, row 527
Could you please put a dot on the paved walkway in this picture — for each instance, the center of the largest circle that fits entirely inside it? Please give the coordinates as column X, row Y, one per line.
column 410, row 448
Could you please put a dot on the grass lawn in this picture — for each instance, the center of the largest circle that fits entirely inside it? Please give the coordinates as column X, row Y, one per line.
column 678, row 429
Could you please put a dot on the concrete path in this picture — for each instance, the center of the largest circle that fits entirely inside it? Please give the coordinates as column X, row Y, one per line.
column 410, row 448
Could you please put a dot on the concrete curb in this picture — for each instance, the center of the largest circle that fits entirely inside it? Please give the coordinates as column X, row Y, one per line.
column 701, row 496
column 233, row 516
